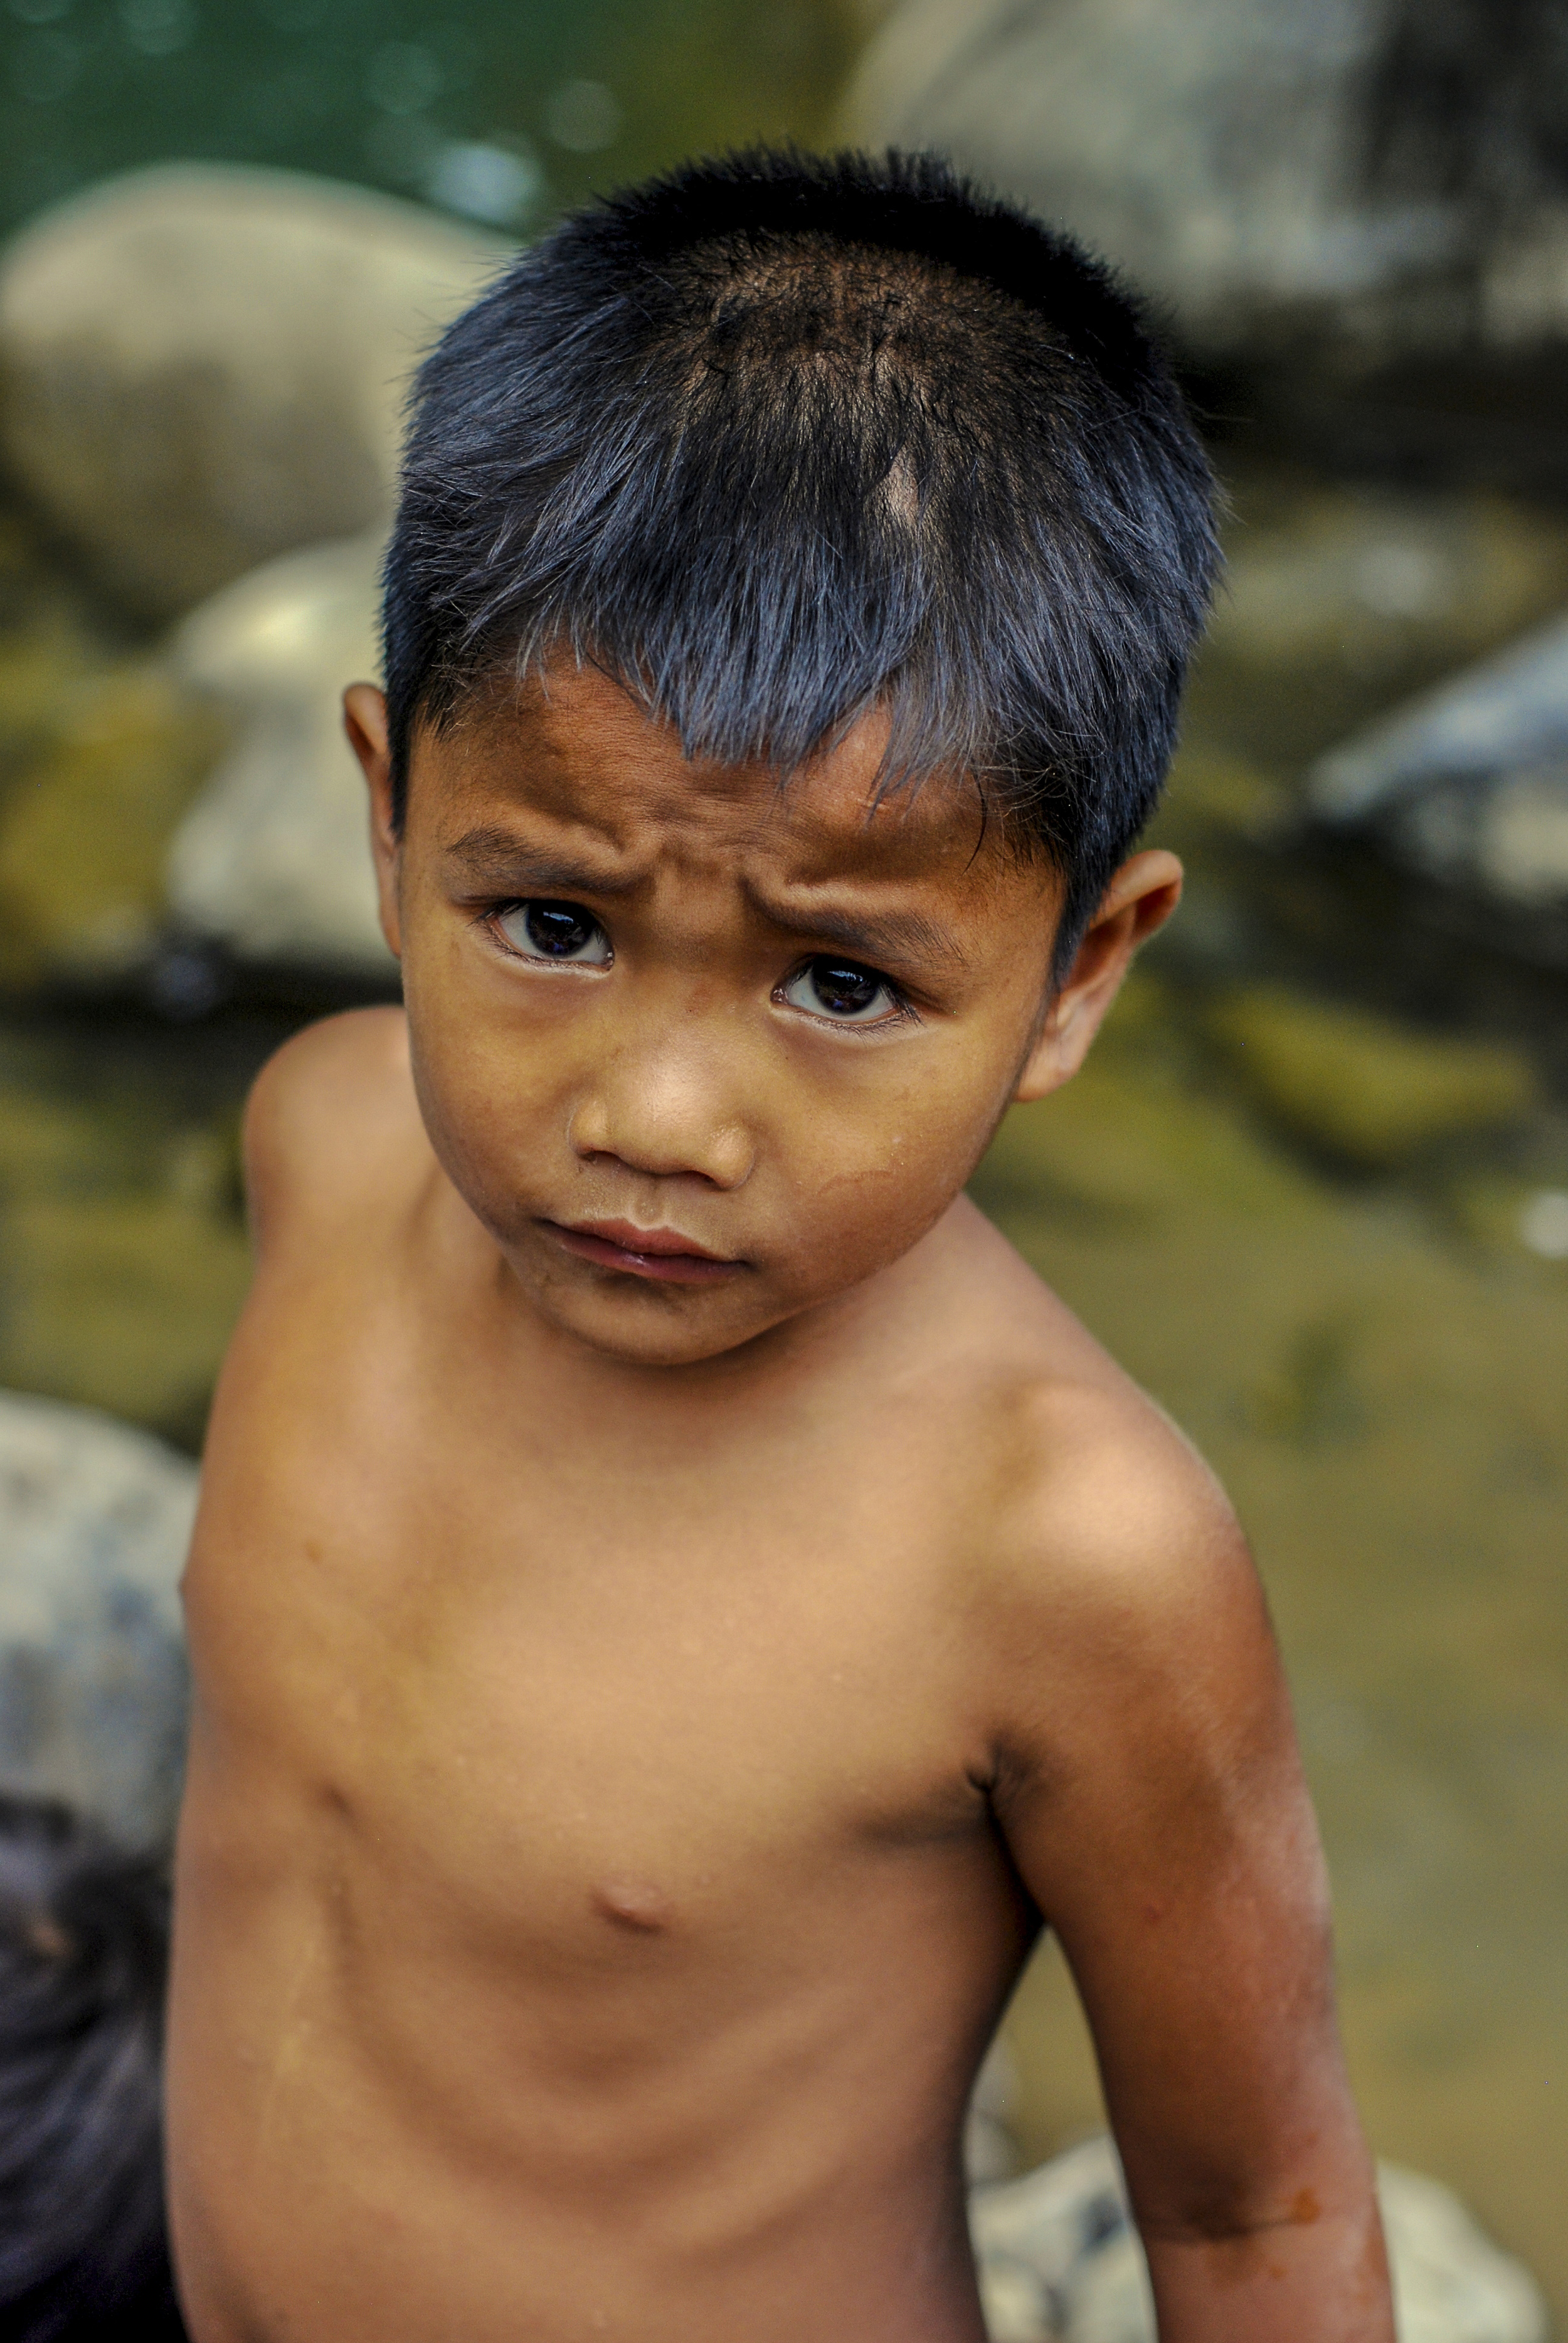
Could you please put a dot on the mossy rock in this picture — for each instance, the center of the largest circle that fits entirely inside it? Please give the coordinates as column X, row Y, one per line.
column 123, row 1303
column 84, row 828
column 123, row 1256
column 41, row 667
column 1221, row 792
column 1360, row 1088
column 1122, row 1144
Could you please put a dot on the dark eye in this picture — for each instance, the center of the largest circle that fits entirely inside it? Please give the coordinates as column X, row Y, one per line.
column 542, row 931
column 839, row 989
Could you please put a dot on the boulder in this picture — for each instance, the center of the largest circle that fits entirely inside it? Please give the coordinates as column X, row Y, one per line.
column 202, row 366
column 1382, row 583
column 1468, row 785
column 95, row 1521
column 1365, row 175
column 1059, row 2261
column 273, row 860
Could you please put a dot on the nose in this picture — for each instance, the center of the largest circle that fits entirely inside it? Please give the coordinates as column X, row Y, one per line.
column 665, row 1105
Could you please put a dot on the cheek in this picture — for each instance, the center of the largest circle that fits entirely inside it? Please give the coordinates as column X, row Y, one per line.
column 876, row 1170
column 488, row 1094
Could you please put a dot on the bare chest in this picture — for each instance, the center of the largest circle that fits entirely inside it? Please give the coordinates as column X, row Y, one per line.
column 575, row 1710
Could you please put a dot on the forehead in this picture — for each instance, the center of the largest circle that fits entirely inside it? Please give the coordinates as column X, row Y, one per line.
column 575, row 752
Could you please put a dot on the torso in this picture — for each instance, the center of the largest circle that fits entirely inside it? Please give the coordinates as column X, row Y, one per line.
column 590, row 1914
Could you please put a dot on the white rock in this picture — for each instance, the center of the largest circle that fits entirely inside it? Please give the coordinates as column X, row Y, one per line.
column 1034, row 2237
column 1450, row 2283
column 988, row 2152
column 95, row 1520
column 1521, row 846
column 1468, row 785
column 274, row 859
column 202, row 364
column 1216, row 151
column 1060, row 2263
column 1544, row 1223
column 1506, row 713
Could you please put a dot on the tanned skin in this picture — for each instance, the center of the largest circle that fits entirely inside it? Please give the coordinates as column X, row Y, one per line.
column 642, row 1719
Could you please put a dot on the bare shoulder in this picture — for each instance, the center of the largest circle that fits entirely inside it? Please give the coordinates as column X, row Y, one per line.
column 1109, row 1500
column 1112, row 1587
column 331, row 1123
column 1089, row 1483
column 1142, row 1767
column 1132, row 1696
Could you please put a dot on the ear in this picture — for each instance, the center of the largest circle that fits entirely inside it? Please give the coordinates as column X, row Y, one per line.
column 1138, row 901
column 365, row 721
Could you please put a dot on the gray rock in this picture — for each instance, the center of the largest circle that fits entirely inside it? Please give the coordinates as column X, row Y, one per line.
column 1507, row 714
column 95, row 1521
column 1468, row 785
column 273, row 860
column 1225, row 153
column 1059, row 2261
column 202, row 366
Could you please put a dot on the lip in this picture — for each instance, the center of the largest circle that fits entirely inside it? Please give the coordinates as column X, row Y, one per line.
column 662, row 1254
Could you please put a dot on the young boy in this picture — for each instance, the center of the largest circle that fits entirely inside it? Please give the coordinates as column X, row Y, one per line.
column 677, row 1604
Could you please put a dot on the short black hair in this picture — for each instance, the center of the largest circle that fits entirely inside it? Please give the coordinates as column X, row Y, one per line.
column 776, row 438
column 83, row 1958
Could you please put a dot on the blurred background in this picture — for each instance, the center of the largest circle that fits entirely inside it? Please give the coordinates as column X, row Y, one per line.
column 1313, row 1187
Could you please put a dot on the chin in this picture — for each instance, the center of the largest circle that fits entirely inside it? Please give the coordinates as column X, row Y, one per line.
column 642, row 1331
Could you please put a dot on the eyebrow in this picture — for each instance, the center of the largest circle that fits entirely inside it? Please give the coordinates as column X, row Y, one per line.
column 894, row 939
column 498, row 859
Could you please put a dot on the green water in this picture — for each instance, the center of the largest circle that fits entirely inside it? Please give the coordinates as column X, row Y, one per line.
column 580, row 92
column 1350, row 1320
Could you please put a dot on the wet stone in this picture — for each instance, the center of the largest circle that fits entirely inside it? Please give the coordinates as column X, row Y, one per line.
column 95, row 1520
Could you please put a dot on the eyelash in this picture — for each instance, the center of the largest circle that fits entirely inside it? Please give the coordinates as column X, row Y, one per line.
column 493, row 914
column 902, row 1012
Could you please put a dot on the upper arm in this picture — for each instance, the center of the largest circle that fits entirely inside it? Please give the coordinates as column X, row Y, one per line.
column 335, row 1099
column 1149, row 1785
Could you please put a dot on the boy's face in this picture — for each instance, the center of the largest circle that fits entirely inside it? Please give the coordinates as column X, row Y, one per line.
column 702, row 1053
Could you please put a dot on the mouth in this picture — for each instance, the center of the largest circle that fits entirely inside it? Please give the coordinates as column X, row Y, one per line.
column 662, row 1254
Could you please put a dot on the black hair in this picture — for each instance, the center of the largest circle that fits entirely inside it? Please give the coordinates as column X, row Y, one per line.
column 777, row 438
column 83, row 1956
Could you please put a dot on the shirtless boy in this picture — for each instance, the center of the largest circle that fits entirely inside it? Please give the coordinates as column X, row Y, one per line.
column 677, row 1605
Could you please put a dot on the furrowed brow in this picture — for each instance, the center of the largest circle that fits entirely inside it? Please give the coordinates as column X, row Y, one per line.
column 893, row 939
column 495, row 859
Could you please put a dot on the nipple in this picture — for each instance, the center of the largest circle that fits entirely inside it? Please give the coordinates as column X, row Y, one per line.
column 635, row 1904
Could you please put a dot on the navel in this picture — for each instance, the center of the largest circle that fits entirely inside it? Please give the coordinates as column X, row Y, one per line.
column 633, row 1904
